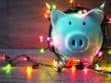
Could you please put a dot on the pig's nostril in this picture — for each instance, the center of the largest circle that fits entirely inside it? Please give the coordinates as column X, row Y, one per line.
column 80, row 42
column 73, row 42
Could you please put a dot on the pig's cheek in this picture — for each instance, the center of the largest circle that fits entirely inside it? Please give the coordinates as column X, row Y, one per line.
column 57, row 41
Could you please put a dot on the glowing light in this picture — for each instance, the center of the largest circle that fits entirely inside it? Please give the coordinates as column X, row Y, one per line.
column 24, row 58
column 2, row 57
column 72, row 62
column 8, row 68
column 29, row 72
column 49, row 8
column 41, row 38
column 55, row 63
column 80, row 12
column 51, row 44
column 85, row 70
column 71, row 1
column 48, row 11
column 97, row 67
column 48, row 38
column 73, row 69
column 85, row 11
column 46, row 16
column 42, row 51
column 48, row 5
column 109, row 20
column 60, row 63
column 53, row 6
column 100, row 54
column 109, row 52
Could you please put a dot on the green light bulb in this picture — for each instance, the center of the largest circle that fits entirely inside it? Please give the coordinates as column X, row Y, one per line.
column 109, row 52
column 97, row 67
column 42, row 51
column 53, row 6
column 7, row 68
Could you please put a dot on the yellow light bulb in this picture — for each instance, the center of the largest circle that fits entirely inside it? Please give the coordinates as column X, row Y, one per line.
column 71, row 1
column 48, row 5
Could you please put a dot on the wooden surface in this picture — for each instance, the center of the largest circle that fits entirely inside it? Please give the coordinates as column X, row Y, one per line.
column 44, row 74
column 49, row 75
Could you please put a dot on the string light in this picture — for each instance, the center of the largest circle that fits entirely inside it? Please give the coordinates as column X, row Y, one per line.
column 48, row 38
column 29, row 72
column 72, row 62
column 8, row 68
column 80, row 12
column 85, row 70
column 55, row 63
column 46, row 16
column 24, row 58
column 97, row 67
column 42, row 50
column 51, row 44
column 109, row 20
column 73, row 69
column 49, row 7
column 100, row 54
column 85, row 11
column 41, row 38
column 2, row 57
column 47, row 13
column 59, row 63
column 53, row 5
column 109, row 52
column 71, row 1
column 102, row 6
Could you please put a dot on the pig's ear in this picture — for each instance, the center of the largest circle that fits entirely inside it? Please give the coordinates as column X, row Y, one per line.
column 96, row 14
column 55, row 15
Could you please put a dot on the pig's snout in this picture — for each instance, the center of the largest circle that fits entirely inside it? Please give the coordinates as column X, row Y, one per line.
column 77, row 42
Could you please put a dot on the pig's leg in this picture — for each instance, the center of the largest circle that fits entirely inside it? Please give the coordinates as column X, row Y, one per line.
column 61, row 61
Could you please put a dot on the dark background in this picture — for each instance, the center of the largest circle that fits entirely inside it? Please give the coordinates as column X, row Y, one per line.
column 22, row 21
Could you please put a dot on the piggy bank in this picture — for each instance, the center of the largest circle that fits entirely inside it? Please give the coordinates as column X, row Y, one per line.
column 77, row 35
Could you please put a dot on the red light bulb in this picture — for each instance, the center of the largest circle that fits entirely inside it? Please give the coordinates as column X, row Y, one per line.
column 23, row 58
column 85, row 70
column 41, row 39
column 100, row 54
column 51, row 44
column 2, row 57
column 85, row 11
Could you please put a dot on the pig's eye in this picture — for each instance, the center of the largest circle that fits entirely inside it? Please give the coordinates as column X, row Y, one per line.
column 84, row 23
column 70, row 22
